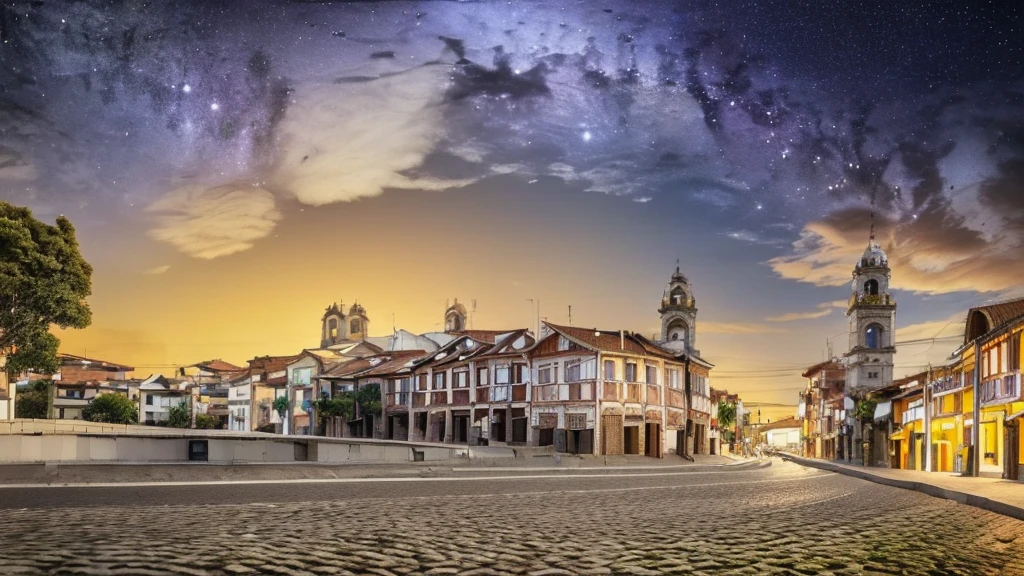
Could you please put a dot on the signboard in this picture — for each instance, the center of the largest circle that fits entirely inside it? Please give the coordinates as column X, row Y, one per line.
column 548, row 420
column 576, row 421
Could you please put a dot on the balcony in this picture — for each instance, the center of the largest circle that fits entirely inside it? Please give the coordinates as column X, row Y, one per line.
column 580, row 391
column 519, row 392
column 653, row 394
column 633, row 393
column 912, row 414
column 419, row 400
column 611, row 392
column 871, row 300
column 438, row 397
column 674, row 398
column 460, row 397
column 1001, row 389
column 483, row 394
column 570, row 392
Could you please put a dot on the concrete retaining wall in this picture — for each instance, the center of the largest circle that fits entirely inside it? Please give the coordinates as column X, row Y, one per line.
column 48, row 441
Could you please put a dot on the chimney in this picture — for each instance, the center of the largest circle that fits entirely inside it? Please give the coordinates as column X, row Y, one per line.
column 622, row 339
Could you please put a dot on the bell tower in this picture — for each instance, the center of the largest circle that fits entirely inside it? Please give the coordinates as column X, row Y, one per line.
column 679, row 314
column 872, row 314
column 332, row 330
column 455, row 317
column 358, row 323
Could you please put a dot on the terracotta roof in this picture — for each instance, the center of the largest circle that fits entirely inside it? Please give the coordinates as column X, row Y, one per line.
column 826, row 365
column 217, row 365
column 71, row 359
column 984, row 319
column 788, row 422
column 488, row 336
column 501, row 348
column 603, row 340
column 271, row 363
column 376, row 365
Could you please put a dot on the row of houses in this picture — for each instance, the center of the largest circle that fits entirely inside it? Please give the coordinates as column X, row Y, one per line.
column 578, row 390
column 964, row 416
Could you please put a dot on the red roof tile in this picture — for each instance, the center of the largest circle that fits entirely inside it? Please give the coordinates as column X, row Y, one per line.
column 72, row 360
column 984, row 319
column 608, row 341
column 819, row 367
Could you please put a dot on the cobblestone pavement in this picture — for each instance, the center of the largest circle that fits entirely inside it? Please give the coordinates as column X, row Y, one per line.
column 779, row 520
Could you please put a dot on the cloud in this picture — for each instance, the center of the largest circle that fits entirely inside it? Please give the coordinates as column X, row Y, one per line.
column 935, row 252
column 354, row 137
column 950, row 327
column 158, row 269
column 213, row 222
column 823, row 309
column 737, row 328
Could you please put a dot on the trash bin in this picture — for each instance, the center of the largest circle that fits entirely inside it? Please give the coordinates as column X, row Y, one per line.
column 958, row 463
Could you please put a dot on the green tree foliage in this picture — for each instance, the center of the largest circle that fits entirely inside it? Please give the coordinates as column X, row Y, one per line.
column 33, row 402
column 206, row 422
column 179, row 416
column 112, row 409
column 368, row 398
column 726, row 418
column 865, row 410
column 44, row 281
column 343, row 404
column 281, row 405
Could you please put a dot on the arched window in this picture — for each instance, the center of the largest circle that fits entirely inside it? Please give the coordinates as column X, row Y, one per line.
column 873, row 337
column 332, row 327
column 871, row 287
column 455, row 323
column 353, row 328
column 678, row 296
column 675, row 336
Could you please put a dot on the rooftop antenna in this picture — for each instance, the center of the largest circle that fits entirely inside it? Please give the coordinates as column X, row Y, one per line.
column 570, row 314
column 871, row 236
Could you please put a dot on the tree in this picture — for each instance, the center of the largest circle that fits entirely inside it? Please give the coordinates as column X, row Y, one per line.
column 34, row 402
column 112, row 409
column 44, row 281
column 281, row 405
column 206, row 422
column 726, row 418
column 342, row 404
column 368, row 398
column 179, row 416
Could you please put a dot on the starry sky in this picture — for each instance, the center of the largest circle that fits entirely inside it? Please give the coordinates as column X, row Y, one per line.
column 233, row 167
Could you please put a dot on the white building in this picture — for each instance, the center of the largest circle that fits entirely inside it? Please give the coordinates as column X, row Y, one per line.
column 157, row 395
column 240, row 408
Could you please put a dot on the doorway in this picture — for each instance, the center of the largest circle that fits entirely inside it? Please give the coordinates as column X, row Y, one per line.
column 652, row 433
column 498, row 426
column 460, row 429
column 611, row 435
column 631, row 440
column 519, row 430
column 1011, row 447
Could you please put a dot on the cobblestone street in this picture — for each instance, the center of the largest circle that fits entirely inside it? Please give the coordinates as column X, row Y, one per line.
column 782, row 519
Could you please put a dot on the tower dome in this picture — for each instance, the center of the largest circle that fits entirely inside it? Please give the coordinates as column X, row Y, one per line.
column 678, row 313
column 873, row 256
column 455, row 317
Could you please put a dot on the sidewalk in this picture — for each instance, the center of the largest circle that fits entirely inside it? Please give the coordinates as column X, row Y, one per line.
column 993, row 494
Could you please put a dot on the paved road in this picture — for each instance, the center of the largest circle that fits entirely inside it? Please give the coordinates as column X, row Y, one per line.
column 783, row 519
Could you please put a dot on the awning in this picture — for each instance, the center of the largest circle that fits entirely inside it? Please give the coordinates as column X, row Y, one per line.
column 1015, row 415
column 882, row 410
column 899, row 435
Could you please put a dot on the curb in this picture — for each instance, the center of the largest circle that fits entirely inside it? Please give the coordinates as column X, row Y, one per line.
column 929, row 489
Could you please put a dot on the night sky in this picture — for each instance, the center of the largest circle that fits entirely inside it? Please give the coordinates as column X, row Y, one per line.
column 233, row 167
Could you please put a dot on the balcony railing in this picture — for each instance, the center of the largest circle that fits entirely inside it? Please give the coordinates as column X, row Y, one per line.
column 398, row 399
column 519, row 392
column 419, row 400
column 569, row 392
column 653, row 394
column 1001, row 389
column 483, row 394
column 611, row 391
column 871, row 300
column 581, row 391
column 438, row 397
column 912, row 414
column 674, row 398
column 460, row 397
column 499, row 393
column 633, row 392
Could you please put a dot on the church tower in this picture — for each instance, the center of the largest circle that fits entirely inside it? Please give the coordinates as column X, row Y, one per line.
column 333, row 325
column 455, row 317
column 872, row 314
column 679, row 315
column 358, row 323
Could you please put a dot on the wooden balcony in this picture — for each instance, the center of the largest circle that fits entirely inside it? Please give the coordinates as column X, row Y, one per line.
column 397, row 401
column 460, row 397
column 653, row 394
column 419, row 399
column 581, row 391
column 519, row 392
column 674, row 398
column 483, row 394
column 633, row 393
column 611, row 391
column 438, row 397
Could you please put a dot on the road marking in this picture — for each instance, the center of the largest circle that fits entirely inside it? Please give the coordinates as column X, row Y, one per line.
column 372, row 480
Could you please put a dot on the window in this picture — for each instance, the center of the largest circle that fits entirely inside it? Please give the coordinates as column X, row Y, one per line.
column 1013, row 352
column 460, row 379
column 652, row 374
column 871, row 287
column 481, row 377
column 422, row 381
column 149, row 399
column 673, row 378
column 873, row 337
column 563, row 343
column 501, row 375
column 544, row 375
column 609, row 369
column 630, row 371
column 439, row 381
column 572, row 372
column 332, row 327
column 353, row 327
column 872, row 375
column 302, row 376
column 517, row 373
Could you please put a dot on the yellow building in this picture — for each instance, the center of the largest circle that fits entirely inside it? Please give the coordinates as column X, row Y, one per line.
column 992, row 353
column 946, row 391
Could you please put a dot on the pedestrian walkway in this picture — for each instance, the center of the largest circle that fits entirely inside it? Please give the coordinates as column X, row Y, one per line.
column 993, row 494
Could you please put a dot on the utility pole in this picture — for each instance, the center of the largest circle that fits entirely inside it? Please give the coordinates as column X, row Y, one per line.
column 570, row 314
column 976, row 426
column 928, row 421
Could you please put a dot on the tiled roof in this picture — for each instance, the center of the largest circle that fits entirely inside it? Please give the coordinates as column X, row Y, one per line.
column 272, row 363
column 72, row 360
column 603, row 340
column 488, row 336
column 377, row 365
column 984, row 319
column 826, row 365
column 217, row 365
